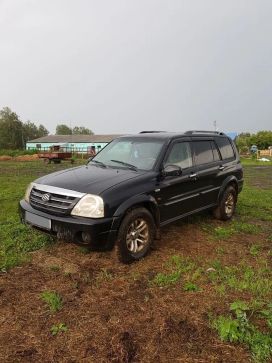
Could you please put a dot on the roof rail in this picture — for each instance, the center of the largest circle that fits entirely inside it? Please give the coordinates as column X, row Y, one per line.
column 150, row 132
column 191, row 132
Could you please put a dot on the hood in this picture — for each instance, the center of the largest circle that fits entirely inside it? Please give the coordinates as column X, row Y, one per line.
column 89, row 178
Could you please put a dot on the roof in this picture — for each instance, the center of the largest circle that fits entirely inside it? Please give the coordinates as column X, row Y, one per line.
column 74, row 138
column 162, row 135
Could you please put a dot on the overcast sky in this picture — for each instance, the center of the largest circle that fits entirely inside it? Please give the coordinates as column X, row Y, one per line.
column 121, row 66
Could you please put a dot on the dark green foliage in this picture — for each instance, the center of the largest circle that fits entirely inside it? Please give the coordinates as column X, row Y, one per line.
column 63, row 129
column 14, row 133
column 240, row 329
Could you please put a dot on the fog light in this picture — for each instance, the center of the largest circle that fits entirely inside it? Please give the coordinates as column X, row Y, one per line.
column 86, row 237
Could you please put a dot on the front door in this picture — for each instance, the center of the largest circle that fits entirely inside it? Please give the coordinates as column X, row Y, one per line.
column 178, row 195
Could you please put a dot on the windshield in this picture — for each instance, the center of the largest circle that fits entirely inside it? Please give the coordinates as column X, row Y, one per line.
column 130, row 153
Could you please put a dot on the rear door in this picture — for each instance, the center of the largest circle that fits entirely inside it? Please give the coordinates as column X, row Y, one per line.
column 207, row 163
column 230, row 164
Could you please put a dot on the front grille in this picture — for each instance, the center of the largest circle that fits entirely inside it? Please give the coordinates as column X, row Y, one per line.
column 51, row 201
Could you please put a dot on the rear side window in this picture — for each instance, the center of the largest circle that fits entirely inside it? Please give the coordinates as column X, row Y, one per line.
column 225, row 148
column 216, row 155
column 203, row 152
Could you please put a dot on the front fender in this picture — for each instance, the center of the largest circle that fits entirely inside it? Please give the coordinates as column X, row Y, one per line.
column 132, row 202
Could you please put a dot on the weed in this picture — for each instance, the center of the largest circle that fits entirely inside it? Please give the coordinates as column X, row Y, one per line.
column 221, row 289
column 162, row 279
column 217, row 265
column 53, row 299
column 240, row 329
column 189, row 286
column 267, row 313
column 103, row 275
column 220, row 250
column 254, row 250
column 58, row 328
column 54, row 268
column 223, row 232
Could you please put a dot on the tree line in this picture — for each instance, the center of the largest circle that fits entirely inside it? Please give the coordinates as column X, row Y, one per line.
column 14, row 134
column 262, row 139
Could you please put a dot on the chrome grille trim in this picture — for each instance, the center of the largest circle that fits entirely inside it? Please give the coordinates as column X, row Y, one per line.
column 57, row 190
column 34, row 192
column 61, row 201
column 51, row 204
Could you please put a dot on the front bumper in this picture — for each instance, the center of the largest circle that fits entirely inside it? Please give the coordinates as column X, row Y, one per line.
column 72, row 228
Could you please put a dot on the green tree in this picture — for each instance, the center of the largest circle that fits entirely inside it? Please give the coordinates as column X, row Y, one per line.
column 31, row 131
column 81, row 130
column 11, row 130
column 243, row 141
column 42, row 131
column 262, row 139
column 63, row 129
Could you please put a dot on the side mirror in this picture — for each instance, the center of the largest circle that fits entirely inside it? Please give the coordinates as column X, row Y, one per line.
column 172, row 170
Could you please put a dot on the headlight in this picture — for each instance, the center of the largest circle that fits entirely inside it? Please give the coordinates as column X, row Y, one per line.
column 27, row 192
column 91, row 206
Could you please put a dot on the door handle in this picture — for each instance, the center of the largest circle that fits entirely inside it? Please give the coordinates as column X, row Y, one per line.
column 221, row 167
column 194, row 175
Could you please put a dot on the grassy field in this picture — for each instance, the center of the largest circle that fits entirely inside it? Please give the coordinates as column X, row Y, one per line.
column 202, row 295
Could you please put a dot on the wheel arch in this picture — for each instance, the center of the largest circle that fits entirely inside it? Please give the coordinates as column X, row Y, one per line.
column 230, row 181
column 144, row 201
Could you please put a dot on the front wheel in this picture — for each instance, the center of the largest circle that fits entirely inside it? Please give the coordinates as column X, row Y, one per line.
column 227, row 204
column 136, row 235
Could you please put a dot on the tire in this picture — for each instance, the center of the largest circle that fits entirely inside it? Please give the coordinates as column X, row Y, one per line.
column 137, row 223
column 227, row 204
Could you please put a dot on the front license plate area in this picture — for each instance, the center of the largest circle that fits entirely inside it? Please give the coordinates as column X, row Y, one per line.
column 38, row 221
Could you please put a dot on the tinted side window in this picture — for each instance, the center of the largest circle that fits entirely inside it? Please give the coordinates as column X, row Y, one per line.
column 216, row 155
column 225, row 148
column 180, row 155
column 203, row 152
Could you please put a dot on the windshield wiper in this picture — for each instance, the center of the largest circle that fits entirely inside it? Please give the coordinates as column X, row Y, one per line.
column 126, row 164
column 99, row 163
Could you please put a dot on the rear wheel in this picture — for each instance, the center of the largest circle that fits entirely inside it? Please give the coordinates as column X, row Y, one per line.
column 227, row 204
column 135, row 235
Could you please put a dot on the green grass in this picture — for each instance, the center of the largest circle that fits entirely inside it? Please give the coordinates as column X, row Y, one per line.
column 53, row 300
column 254, row 162
column 238, row 328
column 16, row 239
column 12, row 153
column 190, row 286
column 256, row 280
column 176, row 267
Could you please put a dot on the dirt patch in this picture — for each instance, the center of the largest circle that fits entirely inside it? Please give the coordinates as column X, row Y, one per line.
column 5, row 158
column 19, row 158
column 111, row 311
column 26, row 157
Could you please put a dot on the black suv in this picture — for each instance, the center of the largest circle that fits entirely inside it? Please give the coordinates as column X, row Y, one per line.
column 134, row 186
